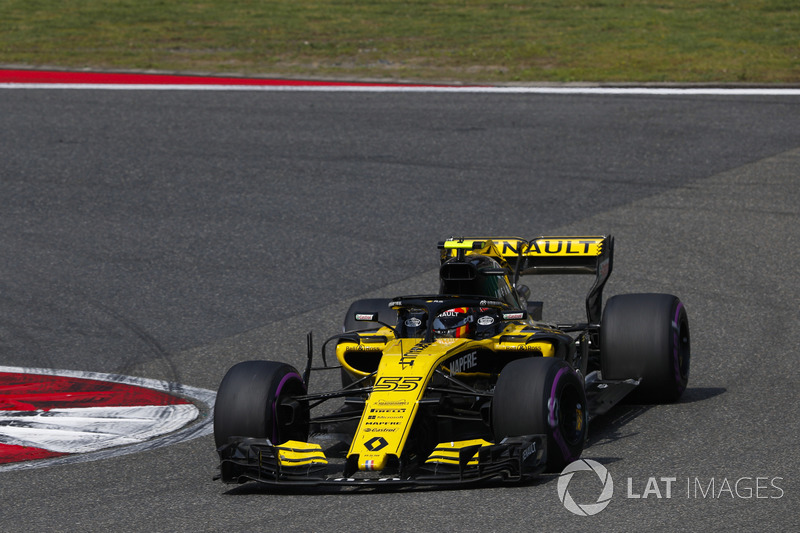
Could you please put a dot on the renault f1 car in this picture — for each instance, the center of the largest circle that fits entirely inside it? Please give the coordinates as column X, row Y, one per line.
column 459, row 386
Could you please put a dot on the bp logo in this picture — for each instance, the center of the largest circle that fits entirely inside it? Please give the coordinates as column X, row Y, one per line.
column 585, row 509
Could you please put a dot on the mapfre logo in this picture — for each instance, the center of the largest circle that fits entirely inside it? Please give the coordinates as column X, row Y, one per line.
column 585, row 509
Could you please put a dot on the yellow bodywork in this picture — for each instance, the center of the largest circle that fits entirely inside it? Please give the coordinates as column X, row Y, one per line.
column 295, row 453
column 449, row 452
column 405, row 368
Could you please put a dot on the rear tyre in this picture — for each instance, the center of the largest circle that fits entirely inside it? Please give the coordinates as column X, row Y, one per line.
column 542, row 395
column 255, row 400
column 646, row 336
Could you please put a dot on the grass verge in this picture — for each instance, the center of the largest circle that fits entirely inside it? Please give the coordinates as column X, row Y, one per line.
column 469, row 40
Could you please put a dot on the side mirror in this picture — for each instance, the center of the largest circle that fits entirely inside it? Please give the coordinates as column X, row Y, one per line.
column 535, row 310
column 524, row 291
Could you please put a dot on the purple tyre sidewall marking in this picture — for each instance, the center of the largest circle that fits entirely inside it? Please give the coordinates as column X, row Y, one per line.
column 676, row 348
column 552, row 419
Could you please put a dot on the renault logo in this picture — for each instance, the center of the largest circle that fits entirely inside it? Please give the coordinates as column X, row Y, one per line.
column 376, row 443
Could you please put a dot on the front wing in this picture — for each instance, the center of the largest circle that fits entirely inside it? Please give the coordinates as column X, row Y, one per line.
column 515, row 459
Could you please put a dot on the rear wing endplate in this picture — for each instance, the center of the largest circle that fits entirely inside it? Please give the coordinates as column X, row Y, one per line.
column 591, row 255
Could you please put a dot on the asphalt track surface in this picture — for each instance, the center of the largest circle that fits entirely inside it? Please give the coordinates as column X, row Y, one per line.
column 169, row 235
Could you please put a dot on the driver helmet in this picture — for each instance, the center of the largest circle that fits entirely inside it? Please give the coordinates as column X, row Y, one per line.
column 456, row 323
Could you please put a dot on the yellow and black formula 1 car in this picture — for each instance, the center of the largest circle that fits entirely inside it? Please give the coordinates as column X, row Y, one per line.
column 460, row 386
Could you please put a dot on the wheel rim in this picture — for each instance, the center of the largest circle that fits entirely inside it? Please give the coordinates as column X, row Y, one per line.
column 681, row 345
column 572, row 415
column 289, row 418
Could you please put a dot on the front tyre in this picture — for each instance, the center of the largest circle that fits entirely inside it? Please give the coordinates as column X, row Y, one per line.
column 255, row 399
column 646, row 336
column 542, row 395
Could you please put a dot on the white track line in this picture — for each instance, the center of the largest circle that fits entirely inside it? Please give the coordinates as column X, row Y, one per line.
column 657, row 91
column 89, row 429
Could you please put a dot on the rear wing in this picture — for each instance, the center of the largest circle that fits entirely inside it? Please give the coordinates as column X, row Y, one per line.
column 591, row 255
